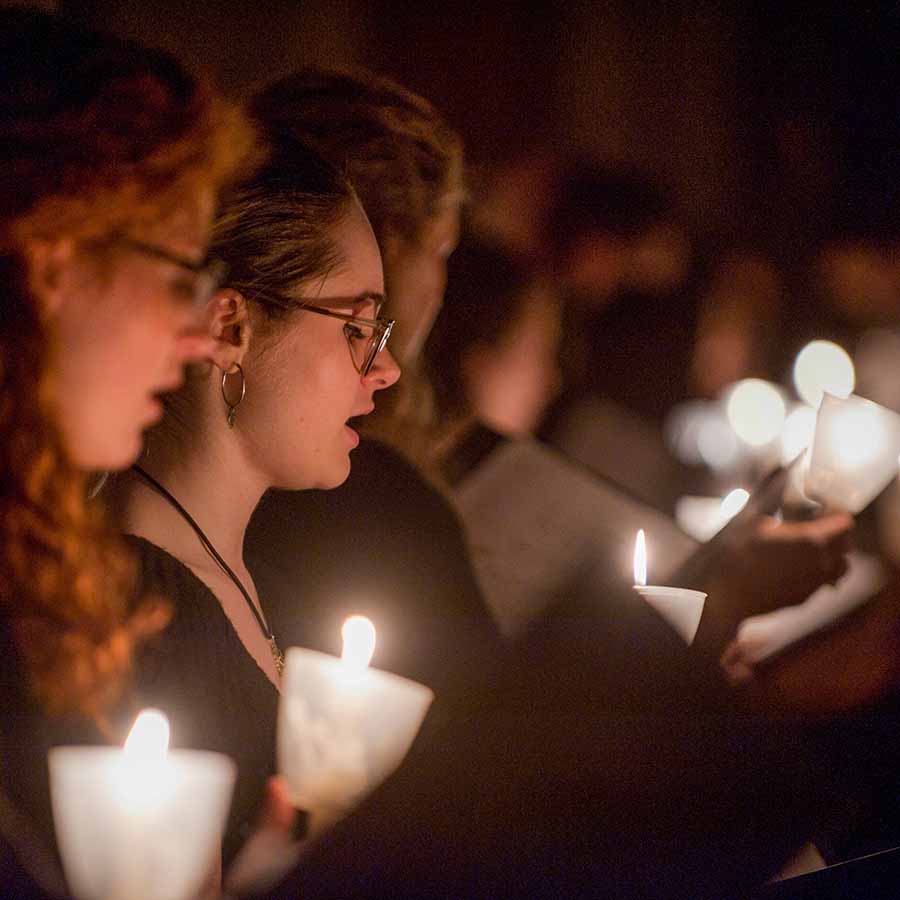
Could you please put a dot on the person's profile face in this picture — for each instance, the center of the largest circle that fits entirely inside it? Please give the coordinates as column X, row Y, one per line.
column 303, row 384
column 416, row 274
column 124, row 324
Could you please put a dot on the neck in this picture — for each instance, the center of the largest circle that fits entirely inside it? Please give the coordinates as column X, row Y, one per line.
column 215, row 485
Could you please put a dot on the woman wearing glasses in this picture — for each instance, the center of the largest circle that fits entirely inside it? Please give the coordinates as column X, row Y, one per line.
column 408, row 567
column 111, row 156
column 299, row 351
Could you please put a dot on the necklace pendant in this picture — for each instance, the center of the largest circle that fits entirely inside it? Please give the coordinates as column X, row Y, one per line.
column 277, row 655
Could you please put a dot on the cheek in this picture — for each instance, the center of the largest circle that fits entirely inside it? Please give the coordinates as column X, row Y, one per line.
column 311, row 385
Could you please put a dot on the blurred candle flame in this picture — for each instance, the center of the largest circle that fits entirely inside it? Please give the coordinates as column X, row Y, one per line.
column 358, row 634
column 756, row 411
column 733, row 502
column 823, row 367
column 149, row 736
column 640, row 558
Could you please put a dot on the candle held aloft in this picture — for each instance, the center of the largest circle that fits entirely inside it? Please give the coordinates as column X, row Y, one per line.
column 680, row 607
column 343, row 727
column 141, row 822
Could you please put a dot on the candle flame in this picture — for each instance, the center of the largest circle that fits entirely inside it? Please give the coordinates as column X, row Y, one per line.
column 149, row 736
column 358, row 633
column 756, row 411
column 640, row 558
column 733, row 502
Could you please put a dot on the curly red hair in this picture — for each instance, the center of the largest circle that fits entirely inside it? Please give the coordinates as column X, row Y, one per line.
column 98, row 136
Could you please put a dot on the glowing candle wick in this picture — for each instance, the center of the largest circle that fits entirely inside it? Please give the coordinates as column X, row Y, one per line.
column 358, row 634
column 640, row 558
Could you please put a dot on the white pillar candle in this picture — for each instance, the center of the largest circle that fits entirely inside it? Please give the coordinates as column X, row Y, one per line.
column 680, row 607
column 142, row 822
column 342, row 726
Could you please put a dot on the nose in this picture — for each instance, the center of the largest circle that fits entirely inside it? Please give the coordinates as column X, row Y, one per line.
column 384, row 372
column 194, row 345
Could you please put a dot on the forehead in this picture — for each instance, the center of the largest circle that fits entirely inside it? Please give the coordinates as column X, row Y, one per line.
column 360, row 269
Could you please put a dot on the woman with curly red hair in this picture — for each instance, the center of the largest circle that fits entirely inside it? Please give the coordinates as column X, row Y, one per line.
column 110, row 159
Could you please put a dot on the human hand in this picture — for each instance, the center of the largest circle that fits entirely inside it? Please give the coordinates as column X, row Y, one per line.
column 774, row 564
column 855, row 662
column 766, row 564
column 271, row 850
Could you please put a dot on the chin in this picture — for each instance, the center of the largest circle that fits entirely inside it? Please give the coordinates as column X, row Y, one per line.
column 111, row 455
column 336, row 477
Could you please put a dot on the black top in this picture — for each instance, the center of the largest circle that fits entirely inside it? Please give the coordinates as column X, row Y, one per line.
column 202, row 677
column 386, row 545
column 27, row 843
column 605, row 762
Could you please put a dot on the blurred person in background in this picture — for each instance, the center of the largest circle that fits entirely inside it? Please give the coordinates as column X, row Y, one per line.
column 739, row 309
column 624, row 266
column 493, row 355
column 111, row 157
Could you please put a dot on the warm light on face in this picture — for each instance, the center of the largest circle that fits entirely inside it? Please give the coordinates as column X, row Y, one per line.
column 640, row 558
column 755, row 411
column 149, row 736
column 823, row 366
column 358, row 634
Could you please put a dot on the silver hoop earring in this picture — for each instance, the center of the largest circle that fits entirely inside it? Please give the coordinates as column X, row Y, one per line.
column 232, row 407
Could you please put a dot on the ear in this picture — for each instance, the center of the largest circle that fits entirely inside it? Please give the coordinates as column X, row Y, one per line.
column 48, row 261
column 228, row 323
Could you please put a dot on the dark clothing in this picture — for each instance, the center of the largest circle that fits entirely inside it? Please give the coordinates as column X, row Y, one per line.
column 607, row 762
column 27, row 839
column 386, row 545
column 201, row 676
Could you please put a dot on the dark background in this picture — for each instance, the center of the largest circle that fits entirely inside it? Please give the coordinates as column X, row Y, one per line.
column 775, row 126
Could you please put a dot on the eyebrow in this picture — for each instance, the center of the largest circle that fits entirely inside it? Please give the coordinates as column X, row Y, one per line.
column 338, row 302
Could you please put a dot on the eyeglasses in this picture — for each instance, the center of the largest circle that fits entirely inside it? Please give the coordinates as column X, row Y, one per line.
column 209, row 274
column 367, row 337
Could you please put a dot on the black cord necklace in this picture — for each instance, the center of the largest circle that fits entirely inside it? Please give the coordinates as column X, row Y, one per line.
column 277, row 655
